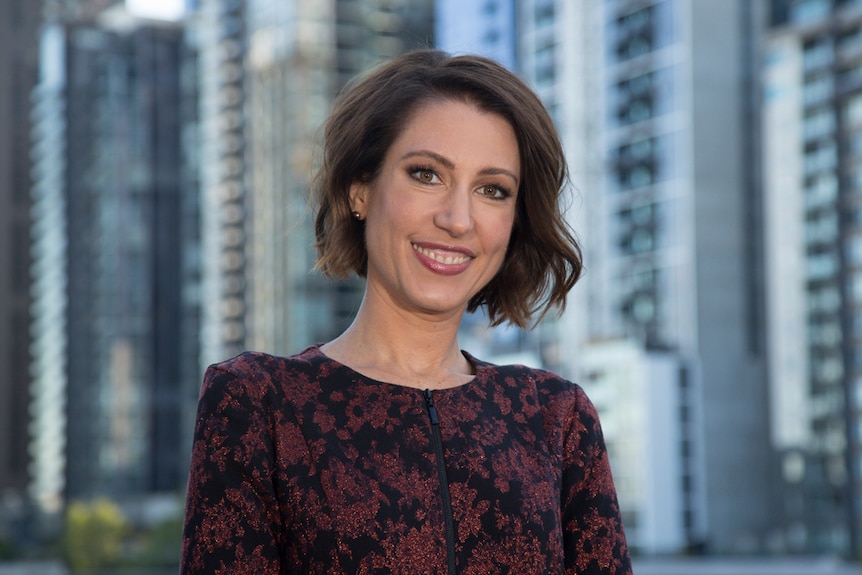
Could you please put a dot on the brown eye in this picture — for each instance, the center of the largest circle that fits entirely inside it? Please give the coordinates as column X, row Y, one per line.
column 424, row 175
column 493, row 192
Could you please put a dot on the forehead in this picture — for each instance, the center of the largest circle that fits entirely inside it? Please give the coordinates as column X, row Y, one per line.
column 459, row 127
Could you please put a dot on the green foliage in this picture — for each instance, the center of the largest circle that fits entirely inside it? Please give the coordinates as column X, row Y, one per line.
column 94, row 534
column 98, row 537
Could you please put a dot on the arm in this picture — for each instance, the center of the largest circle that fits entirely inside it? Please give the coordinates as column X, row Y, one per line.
column 231, row 521
column 592, row 529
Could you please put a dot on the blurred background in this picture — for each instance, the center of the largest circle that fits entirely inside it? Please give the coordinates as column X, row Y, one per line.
column 155, row 158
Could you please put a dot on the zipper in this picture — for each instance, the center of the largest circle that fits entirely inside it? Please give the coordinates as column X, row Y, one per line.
column 437, row 442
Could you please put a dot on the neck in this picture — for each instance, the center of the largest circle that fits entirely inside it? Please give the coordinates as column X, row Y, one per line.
column 412, row 350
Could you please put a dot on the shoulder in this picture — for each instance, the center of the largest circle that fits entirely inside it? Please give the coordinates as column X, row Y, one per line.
column 255, row 364
column 556, row 394
column 258, row 374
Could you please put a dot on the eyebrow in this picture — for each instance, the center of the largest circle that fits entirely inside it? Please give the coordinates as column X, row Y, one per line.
column 451, row 166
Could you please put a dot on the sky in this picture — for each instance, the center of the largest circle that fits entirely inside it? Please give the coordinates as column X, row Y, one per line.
column 157, row 9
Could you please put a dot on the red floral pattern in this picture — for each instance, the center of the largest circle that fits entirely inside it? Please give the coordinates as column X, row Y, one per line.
column 301, row 465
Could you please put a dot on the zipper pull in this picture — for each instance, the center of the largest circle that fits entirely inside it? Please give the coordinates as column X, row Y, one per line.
column 432, row 411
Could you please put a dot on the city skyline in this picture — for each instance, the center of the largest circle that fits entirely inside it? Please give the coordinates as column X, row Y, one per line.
column 713, row 153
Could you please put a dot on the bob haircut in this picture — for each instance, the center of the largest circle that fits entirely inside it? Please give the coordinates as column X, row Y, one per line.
column 543, row 260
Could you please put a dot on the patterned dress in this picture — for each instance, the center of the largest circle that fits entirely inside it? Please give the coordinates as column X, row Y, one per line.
column 302, row 465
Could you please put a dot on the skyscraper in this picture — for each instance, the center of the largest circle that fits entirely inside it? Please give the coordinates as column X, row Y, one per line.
column 115, row 271
column 220, row 39
column 269, row 71
column 19, row 66
column 813, row 147
column 672, row 233
column 655, row 102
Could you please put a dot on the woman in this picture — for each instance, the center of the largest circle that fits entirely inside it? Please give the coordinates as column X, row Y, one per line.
column 388, row 449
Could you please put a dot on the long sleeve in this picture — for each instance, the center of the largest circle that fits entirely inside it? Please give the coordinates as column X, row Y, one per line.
column 592, row 528
column 232, row 521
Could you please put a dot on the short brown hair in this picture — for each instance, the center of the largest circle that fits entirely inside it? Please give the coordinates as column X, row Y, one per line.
column 543, row 260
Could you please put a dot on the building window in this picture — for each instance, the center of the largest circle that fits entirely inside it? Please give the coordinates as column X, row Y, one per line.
column 818, row 90
column 824, row 300
column 822, row 266
column 828, row 369
column 640, row 308
column 638, row 151
column 637, row 241
column 636, row 177
column 644, row 96
column 851, row 79
column 810, row 10
column 825, row 334
column 635, row 34
column 636, row 99
column 850, row 41
column 546, row 63
column 819, row 123
column 822, row 190
column 545, row 12
column 818, row 54
column 643, row 162
column 821, row 158
column 822, row 228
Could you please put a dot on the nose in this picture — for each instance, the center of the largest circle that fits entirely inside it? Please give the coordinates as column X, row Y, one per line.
column 456, row 213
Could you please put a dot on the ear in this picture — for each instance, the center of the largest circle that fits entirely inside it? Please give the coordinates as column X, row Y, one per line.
column 359, row 198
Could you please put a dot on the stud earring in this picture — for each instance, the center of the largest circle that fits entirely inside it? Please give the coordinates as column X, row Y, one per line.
column 357, row 216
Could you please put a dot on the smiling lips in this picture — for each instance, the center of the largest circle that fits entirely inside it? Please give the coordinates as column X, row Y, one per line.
column 443, row 260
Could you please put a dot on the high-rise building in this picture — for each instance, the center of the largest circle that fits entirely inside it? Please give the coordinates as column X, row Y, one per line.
column 220, row 39
column 812, row 186
column 291, row 77
column 115, row 271
column 662, row 102
column 19, row 67
column 269, row 71
column 656, row 104
column 48, row 270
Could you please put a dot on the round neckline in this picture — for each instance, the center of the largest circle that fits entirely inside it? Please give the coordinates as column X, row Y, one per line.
column 478, row 366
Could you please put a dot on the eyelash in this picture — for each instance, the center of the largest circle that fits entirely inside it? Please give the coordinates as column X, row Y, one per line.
column 504, row 193
column 414, row 172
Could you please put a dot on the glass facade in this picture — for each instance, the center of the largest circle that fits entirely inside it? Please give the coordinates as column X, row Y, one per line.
column 117, row 227
column 641, row 99
column 679, row 220
column 828, row 38
column 19, row 66
column 220, row 38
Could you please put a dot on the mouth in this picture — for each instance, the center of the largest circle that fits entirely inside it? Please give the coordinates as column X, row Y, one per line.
column 445, row 256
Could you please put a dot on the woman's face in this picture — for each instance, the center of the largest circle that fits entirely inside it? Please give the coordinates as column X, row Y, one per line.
column 441, row 210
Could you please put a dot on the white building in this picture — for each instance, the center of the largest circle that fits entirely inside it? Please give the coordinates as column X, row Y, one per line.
column 646, row 419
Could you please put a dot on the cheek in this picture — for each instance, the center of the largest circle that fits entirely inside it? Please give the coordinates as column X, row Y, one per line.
column 504, row 229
